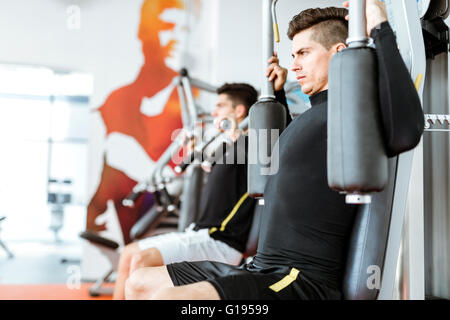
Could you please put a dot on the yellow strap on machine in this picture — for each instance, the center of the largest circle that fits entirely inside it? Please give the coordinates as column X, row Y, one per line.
column 283, row 283
column 418, row 81
column 276, row 32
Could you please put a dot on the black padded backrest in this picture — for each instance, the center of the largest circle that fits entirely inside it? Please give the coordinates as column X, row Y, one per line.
column 191, row 197
column 95, row 238
column 368, row 242
column 252, row 241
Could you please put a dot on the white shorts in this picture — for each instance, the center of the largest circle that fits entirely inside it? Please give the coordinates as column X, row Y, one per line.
column 191, row 246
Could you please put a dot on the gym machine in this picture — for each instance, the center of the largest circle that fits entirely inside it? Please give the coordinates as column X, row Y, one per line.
column 167, row 213
column 436, row 188
column 3, row 245
column 58, row 196
column 386, row 254
column 357, row 163
column 405, row 253
column 267, row 117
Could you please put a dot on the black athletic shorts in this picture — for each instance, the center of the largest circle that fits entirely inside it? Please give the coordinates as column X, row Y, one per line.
column 249, row 283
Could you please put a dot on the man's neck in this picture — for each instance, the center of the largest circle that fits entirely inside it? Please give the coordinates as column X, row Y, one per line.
column 318, row 98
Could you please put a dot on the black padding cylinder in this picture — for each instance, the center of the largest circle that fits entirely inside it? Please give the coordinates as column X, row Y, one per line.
column 192, row 190
column 147, row 222
column 367, row 244
column 267, row 122
column 356, row 159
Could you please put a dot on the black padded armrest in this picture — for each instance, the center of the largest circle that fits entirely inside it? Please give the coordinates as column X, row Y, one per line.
column 95, row 238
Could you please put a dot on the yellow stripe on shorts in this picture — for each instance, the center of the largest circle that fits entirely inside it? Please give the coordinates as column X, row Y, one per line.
column 232, row 213
column 283, row 283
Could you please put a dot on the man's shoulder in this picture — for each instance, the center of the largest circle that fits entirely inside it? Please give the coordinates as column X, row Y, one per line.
column 312, row 117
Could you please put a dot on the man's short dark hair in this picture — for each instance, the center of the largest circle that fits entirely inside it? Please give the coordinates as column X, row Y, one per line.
column 239, row 93
column 328, row 24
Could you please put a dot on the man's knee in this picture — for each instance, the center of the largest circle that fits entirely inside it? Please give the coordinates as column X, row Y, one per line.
column 136, row 287
column 144, row 282
column 127, row 253
column 146, row 258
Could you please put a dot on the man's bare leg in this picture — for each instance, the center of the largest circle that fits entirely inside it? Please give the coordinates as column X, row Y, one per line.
column 196, row 291
column 144, row 282
column 146, row 258
column 124, row 270
column 156, row 284
column 132, row 258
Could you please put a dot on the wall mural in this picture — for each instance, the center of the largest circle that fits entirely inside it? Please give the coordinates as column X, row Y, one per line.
column 146, row 110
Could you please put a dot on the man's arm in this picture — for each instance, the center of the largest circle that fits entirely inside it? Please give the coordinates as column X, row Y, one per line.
column 278, row 75
column 281, row 98
column 401, row 109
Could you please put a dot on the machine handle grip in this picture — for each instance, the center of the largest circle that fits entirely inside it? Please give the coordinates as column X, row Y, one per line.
column 186, row 162
column 131, row 199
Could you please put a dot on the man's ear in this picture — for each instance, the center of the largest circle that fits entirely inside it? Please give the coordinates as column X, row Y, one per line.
column 240, row 111
column 340, row 47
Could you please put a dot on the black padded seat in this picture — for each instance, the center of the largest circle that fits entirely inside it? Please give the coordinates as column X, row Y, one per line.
column 368, row 242
column 95, row 238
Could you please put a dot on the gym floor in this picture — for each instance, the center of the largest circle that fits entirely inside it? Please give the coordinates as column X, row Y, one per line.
column 38, row 262
column 42, row 270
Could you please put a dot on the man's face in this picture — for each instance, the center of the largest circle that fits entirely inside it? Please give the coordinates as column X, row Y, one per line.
column 153, row 19
column 224, row 108
column 311, row 63
column 163, row 30
column 177, row 35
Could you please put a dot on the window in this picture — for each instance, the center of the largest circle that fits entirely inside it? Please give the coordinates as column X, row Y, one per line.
column 44, row 131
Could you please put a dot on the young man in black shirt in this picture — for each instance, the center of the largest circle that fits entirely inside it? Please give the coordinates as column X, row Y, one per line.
column 226, row 211
column 305, row 226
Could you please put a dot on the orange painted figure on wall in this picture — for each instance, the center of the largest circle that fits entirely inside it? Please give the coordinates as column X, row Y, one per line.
column 123, row 113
